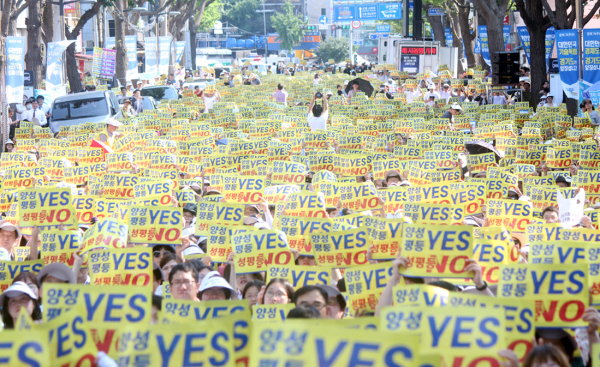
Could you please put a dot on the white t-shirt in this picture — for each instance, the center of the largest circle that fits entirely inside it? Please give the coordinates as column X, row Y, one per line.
column 318, row 123
column 499, row 100
column 208, row 103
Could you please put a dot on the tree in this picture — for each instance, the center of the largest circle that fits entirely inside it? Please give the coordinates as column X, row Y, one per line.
column 537, row 23
column 33, row 55
column 460, row 23
column 71, row 34
column 287, row 26
column 436, row 23
column 211, row 14
column 333, row 48
column 242, row 14
column 494, row 13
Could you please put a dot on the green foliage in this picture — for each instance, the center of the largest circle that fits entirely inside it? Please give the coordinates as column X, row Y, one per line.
column 211, row 14
column 242, row 14
column 287, row 25
column 333, row 48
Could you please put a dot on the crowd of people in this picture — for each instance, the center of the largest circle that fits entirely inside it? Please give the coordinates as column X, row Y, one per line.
column 353, row 150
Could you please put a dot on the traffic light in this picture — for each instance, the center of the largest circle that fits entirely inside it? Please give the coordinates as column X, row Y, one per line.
column 505, row 68
column 340, row 27
column 355, row 58
column 308, row 27
column 333, row 28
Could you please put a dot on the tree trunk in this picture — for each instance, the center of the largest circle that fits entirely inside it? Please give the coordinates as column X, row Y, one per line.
column 193, row 29
column 537, row 24
column 455, row 29
column 72, row 71
column 121, row 58
column 48, row 27
column 4, row 25
column 436, row 26
column 33, row 56
column 467, row 36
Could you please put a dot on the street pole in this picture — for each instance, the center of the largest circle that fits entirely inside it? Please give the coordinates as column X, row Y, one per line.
column 350, row 37
column 579, row 22
column 265, row 24
column 157, row 46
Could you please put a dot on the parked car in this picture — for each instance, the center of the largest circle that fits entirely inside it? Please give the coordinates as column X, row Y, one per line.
column 148, row 103
column 159, row 92
column 79, row 108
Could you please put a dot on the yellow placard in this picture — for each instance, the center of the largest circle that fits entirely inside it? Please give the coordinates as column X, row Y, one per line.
column 155, row 225
column 340, row 249
column 127, row 266
column 217, row 213
column 256, row 250
column 107, row 233
column 46, row 207
column 436, row 250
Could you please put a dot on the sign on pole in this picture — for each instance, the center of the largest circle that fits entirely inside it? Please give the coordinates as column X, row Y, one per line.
column 372, row 11
column 384, row 28
column 433, row 12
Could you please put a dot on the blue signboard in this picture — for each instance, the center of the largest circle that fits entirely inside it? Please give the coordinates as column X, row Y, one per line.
column 357, row 42
column 505, row 34
column 525, row 41
column 591, row 53
column 367, row 12
column 15, row 79
column 344, row 13
column 449, row 37
column 323, row 19
column 483, row 39
column 432, row 12
column 385, row 28
column 477, row 46
column 567, row 41
column 550, row 44
column 348, row 13
column 390, row 11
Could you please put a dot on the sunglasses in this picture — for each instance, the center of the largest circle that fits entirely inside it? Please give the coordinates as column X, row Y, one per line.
column 158, row 254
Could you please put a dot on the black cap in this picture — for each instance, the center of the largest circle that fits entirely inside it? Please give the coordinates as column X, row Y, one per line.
column 190, row 207
column 566, row 179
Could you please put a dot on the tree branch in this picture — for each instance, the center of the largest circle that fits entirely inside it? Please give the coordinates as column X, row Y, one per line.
column 550, row 14
column 84, row 18
column 17, row 12
column 587, row 18
column 484, row 8
column 523, row 12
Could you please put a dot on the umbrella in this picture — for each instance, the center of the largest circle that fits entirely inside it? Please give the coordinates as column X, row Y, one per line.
column 363, row 86
column 482, row 147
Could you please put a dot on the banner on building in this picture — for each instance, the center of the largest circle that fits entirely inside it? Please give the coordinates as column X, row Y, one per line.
column 54, row 64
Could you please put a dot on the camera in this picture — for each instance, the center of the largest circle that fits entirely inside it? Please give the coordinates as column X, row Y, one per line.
column 318, row 95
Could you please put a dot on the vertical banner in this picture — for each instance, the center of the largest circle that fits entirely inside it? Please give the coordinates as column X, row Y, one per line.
column 483, row 39
column 567, row 45
column 15, row 50
column 525, row 41
column 165, row 51
column 54, row 69
column 131, row 45
column 150, row 56
column 179, row 49
column 505, row 34
column 591, row 56
column 449, row 37
column 477, row 46
column 549, row 44
column 110, row 43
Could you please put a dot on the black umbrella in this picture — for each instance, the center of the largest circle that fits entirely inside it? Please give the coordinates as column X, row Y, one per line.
column 363, row 86
column 482, row 147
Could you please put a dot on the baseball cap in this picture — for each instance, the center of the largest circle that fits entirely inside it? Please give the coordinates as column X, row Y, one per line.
column 456, row 106
column 214, row 280
column 334, row 293
column 392, row 173
column 114, row 122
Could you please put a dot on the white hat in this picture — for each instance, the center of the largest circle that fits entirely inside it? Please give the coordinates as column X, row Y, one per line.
column 543, row 97
column 60, row 271
column 524, row 79
column 9, row 142
column 214, row 280
column 114, row 122
column 346, row 82
column 11, row 227
column 15, row 290
column 431, row 86
column 456, row 106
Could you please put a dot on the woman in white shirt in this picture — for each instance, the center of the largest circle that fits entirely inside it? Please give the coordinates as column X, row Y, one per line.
column 210, row 99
